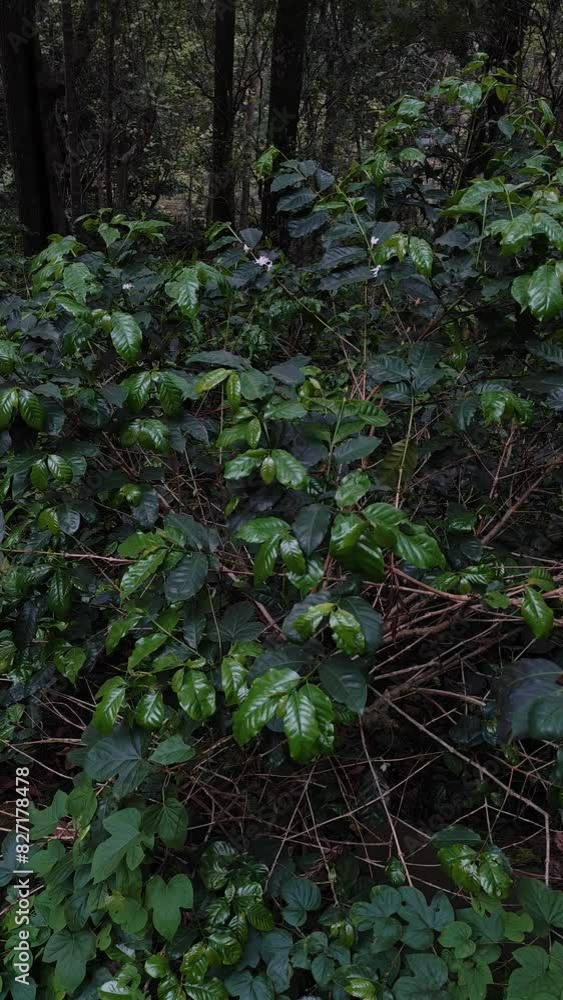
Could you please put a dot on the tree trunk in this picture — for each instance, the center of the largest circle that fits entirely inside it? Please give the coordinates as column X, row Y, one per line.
column 249, row 154
column 286, row 78
column 18, row 55
column 109, row 99
column 72, row 115
column 222, row 179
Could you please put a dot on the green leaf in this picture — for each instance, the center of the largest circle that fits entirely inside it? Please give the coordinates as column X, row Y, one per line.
column 420, row 550
column 261, row 703
column 233, row 680
column 119, row 629
column 125, row 838
column 119, row 754
column 212, row 379
column 172, row 751
column 544, row 292
column 519, row 290
column 292, row 556
column 126, row 336
column 167, row 901
column 422, row 255
column 263, row 529
column 183, row 289
column 170, row 392
column 59, row 593
column 543, row 904
column 301, row 726
column 248, row 987
column 144, row 647
column 150, row 713
column 517, row 233
column 82, row 803
column 352, row 488
column 545, row 719
column 169, row 820
column 343, row 680
column 140, row 572
column 187, row 578
column 536, row 613
column 241, row 466
column 265, row 561
column 197, row 695
column 310, row 527
column 112, row 695
column 470, row 93
column 347, row 632
column 8, row 402
column 289, row 471
column 71, row 952
column 355, row 448
column 369, row 619
column 60, row 469
column 302, row 896
column 31, row 410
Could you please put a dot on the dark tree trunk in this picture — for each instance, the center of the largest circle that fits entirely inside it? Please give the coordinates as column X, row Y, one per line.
column 72, row 114
column 109, row 99
column 286, row 79
column 222, row 179
column 18, row 53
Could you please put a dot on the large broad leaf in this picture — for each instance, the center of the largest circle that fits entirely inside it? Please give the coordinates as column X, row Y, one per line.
column 301, row 896
column 31, row 409
column 545, row 719
column 125, row 838
column 347, row 632
column 187, row 578
column 369, row 619
column 197, row 695
column 111, row 697
column 119, row 754
column 71, row 951
column 544, row 905
column 289, row 471
column 536, row 613
column 307, row 723
column 310, row 527
column 343, row 680
column 141, row 571
column 263, row 529
column 126, row 336
column 544, row 292
column 169, row 819
column 422, row 255
column 352, row 488
column 166, row 902
column 520, row 686
column 172, row 750
column 419, row 549
column 260, row 705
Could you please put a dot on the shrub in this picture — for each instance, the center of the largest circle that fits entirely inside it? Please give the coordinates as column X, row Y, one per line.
column 222, row 552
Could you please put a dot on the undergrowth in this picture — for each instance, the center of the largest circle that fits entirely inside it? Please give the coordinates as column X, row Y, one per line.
column 281, row 586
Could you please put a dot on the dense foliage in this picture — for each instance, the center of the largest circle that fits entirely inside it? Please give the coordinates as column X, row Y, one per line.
column 289, row 524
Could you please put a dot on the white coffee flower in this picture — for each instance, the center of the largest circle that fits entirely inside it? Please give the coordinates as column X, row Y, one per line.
column 264, row 261
column 127, row 286
column 374, row 241
column 375, row 271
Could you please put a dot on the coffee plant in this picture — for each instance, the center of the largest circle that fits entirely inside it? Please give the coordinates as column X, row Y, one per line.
column 281, row 585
